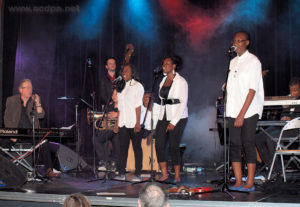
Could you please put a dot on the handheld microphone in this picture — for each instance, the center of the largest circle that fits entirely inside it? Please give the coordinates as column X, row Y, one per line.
column 33, row 105
column 232, row 49
column 119, row 78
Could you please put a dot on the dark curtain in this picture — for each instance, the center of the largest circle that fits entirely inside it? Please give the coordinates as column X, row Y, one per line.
column 55, row 57
column 10, row 36
column 1, row 57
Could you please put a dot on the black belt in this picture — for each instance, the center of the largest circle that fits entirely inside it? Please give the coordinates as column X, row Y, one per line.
column 170, row 101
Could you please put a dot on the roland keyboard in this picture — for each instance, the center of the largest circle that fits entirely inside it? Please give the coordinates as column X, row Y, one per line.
column 271, row 123
column 281, row 101
column 39, row 133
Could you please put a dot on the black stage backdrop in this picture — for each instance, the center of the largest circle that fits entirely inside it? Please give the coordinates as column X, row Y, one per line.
column 47, row 46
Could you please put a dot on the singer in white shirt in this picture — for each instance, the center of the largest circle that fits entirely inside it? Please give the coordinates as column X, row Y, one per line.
column 245, row 99
column 129, row 109
column 173, row 92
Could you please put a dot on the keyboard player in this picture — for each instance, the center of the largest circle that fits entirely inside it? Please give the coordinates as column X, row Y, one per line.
column 18, row 115
column 265, row 146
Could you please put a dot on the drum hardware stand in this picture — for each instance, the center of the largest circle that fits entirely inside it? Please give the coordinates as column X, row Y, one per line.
column 151, row 104
column 93, row 136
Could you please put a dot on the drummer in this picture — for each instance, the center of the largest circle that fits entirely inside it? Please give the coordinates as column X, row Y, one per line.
column 106, row 141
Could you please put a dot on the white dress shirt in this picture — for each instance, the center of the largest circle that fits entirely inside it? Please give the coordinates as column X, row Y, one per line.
column 245, row 74
column 130, row 98
column 178, row 90
column 155, row 111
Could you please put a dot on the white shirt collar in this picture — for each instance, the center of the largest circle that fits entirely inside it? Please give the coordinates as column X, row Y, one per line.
column 243, row 56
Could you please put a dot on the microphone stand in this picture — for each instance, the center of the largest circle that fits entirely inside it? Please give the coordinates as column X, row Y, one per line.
column 226, row 147
column 151, row 103
column 33, row 137
column 32, row 113
column 225, row 188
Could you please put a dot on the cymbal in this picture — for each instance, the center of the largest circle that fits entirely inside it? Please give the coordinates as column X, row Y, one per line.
column 64, row 98
column 67, row 98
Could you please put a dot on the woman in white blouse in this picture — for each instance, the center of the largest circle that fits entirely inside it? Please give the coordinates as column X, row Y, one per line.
column 173, row 92
column 128, row 124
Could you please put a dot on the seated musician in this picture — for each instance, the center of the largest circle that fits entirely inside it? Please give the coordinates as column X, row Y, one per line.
column 154, row 110
column 18, row 114
column 107, row 142
column 265, row 146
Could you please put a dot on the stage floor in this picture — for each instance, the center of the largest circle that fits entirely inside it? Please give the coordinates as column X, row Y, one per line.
column 117, row 193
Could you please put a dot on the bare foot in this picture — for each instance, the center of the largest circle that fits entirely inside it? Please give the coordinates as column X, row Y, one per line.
column 237, row 184
column 164, row 177
column 248, row 186
column 178, row 180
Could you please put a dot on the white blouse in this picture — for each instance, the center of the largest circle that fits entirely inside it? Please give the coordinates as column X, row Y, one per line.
column 178, row 90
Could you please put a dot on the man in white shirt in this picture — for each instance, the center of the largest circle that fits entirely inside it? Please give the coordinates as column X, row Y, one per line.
column 245, row 98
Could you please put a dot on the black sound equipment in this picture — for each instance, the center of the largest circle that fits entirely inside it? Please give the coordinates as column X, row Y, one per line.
column 10, row 175
column 69, row 160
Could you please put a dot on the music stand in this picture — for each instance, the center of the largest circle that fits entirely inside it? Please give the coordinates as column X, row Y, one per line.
column 78, row 101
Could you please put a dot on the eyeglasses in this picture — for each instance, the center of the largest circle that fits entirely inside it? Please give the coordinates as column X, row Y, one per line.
column 238, row 41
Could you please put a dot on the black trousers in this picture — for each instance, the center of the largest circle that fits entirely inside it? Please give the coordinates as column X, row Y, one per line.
column 174, row 138
column 243, row 137
column 125, row 135
column 102, row 148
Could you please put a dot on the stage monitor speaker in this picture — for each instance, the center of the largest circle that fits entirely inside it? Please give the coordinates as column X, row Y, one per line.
column 69, row 160
column 10, row 175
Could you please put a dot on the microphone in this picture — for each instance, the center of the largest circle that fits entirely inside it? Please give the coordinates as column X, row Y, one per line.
column 33, row 105
column 157, row 70
column 232, row 49
column 119, row 78
column 89, row 62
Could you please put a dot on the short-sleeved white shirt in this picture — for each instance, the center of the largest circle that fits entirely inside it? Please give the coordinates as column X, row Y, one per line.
column 245, row 74
column 130, row 98
column 155, row 111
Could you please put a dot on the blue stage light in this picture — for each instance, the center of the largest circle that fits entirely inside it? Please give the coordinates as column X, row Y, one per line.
column 90, row 21
column 249, row 13
column 139, row 17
